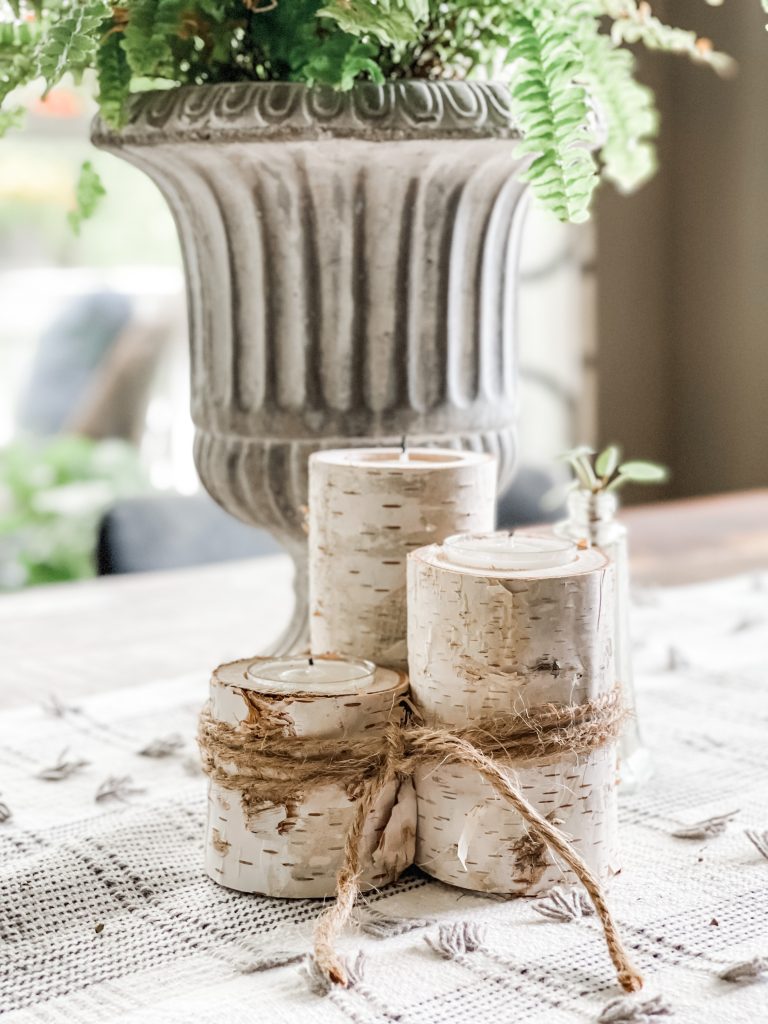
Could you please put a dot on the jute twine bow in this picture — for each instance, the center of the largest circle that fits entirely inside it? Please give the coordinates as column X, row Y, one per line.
column 271, row 767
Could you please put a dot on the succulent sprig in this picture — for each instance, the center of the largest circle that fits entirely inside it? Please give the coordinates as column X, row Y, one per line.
column 606, row 471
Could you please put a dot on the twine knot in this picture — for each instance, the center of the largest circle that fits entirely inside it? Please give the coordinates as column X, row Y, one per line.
column 278, row 768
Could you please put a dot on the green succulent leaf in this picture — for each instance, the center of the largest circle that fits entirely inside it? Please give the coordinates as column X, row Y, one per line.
column 607, row 461
column 643, row 472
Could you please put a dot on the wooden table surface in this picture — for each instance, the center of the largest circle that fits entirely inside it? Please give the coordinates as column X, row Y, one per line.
column 60, row 640
column 698, row 538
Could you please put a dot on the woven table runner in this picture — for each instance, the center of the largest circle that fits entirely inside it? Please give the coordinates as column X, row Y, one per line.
column 105, row 914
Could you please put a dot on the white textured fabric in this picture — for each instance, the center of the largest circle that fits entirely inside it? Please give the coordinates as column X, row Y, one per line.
column 174, row 947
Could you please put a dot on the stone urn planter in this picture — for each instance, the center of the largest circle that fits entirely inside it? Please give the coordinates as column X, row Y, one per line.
column 351, row 266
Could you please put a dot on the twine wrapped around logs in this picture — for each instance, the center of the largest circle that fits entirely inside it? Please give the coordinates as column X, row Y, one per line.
column 278, row 768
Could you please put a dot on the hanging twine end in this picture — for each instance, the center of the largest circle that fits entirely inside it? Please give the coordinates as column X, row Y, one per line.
column 630, row 980
column 329, row 964
column 337, row 976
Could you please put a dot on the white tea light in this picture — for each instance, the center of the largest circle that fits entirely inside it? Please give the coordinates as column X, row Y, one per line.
column 311, row 675
column 398, row 458
column 508, row 552
column 293, row 846
column 485, row 642
column 368, row 508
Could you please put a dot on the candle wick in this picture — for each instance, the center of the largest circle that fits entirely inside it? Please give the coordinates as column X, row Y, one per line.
column 403, row 443
column 311, row 661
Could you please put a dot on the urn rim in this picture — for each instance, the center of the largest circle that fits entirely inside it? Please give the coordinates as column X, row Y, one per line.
column 293, row 111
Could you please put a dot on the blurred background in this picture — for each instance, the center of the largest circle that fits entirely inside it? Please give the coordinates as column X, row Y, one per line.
column 646, row 327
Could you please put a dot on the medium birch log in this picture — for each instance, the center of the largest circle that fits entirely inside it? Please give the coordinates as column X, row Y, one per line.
column 368, row 508
column 481, row 645
column 295, row 849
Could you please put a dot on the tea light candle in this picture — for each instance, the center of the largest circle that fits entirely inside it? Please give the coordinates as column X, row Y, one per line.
column 508, row 552
column 499, row 625
column 311, row 675
column 296, row 848
column 368, row 508
column 398, row 458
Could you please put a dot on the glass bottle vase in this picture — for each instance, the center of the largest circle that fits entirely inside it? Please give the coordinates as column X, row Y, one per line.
column 592, row 518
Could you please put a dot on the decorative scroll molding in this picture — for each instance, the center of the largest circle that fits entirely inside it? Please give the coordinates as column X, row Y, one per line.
column 291, row 110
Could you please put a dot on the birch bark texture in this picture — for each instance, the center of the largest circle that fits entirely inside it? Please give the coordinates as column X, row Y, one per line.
column 296, row 849
column 480, row 645
column 368, row 509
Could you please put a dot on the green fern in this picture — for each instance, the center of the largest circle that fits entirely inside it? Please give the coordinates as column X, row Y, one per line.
column 72, row 41
column 564, row 59
column 89, row 192
column 389, row 21
column 338, row 63
column 18, row 55
column 114, row 74
column 552, row 107
column 152, row 27
column 626, row 106
column 635, row 22
column 11, row 118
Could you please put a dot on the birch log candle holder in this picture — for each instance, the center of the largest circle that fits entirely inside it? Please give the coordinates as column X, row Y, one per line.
column 368, row 509
column 498, row 627
column 274, row 739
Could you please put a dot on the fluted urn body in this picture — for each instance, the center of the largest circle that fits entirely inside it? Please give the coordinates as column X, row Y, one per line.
column 350, row 264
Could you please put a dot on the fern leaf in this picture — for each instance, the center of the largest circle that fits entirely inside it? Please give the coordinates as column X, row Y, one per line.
column 626, row 106
column 389, row 21
column 152, row 27
column 70, row 43
column 114, row 76
column 12, row 118
column 551, row 105
column 635, row 22
column 18, row 56
column 89, row 192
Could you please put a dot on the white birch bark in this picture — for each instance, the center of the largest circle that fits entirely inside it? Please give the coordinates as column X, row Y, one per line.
column 295, row 850
column 481, row 645
column 364, row 520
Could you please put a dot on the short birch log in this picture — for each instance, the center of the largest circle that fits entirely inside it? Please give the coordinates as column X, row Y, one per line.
column 480, row 645
column 367, row 511
column 295, row 849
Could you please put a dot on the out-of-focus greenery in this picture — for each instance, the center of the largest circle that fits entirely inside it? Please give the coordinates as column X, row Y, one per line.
column 52, row 495
column 37, row 183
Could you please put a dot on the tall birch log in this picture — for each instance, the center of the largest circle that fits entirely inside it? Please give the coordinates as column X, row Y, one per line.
column 295, row 849
column 368, row 508
column 482, row 645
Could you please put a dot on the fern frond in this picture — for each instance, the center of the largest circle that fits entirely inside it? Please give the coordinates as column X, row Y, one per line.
column 114, row 75
column 18, row 55
column 70, row 43
column 389, row 21
column 12, row 118
column 551, row 105
column 625, row 106
column 152, row 27
column 635, row 22
column 89, row 192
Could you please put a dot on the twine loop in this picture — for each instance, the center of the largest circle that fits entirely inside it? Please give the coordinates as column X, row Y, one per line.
column 273, row 766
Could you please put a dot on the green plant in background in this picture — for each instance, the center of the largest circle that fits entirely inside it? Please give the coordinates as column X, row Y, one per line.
column 606, row 472
column 52, row 496
column 579, row 106
column 89, row 192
